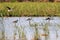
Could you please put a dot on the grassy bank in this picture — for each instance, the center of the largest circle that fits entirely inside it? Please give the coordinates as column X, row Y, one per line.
column 30, row 9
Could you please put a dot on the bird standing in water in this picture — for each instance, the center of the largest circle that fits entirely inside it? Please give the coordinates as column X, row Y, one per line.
column 49, row 18
column 29, row 18
column 15, row 21
column 15, row 29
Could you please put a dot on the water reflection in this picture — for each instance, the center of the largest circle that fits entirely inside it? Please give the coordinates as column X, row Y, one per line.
column 26, row 30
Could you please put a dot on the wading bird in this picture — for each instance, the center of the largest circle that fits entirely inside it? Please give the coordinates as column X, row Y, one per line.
column 15, row 21
column 49, row 18
column 15, row 29
column 29, row 19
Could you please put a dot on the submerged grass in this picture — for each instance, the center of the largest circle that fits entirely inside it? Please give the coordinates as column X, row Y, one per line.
column 30, row 9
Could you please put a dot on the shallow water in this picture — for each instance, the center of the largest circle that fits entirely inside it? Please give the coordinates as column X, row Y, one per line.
column 29, row 31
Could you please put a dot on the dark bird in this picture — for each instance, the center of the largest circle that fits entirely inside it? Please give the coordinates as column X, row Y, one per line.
column 15, row 21
column 9, row 9
column 49, row 18
column 29, row 18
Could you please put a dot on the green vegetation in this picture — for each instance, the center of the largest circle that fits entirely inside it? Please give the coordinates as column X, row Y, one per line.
column 30, row 9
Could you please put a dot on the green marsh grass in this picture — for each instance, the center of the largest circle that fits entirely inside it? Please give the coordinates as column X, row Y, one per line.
column 30, row 9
